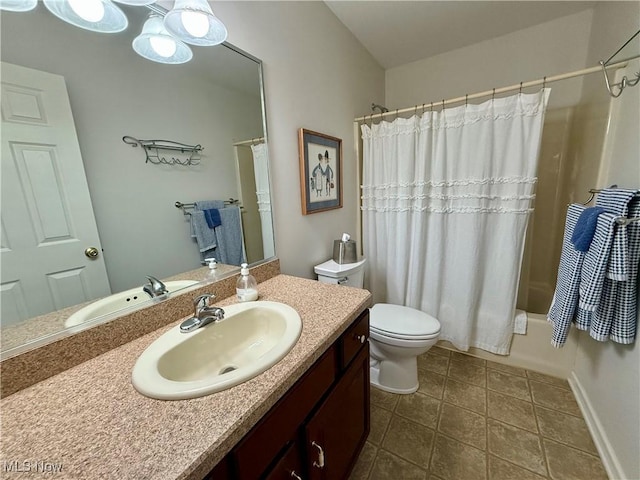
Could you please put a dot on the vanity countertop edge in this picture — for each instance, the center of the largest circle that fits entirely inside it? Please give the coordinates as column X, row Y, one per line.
column 91, row 421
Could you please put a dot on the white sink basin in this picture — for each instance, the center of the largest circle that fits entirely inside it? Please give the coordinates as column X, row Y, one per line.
column 118, row 301
column 252, row 338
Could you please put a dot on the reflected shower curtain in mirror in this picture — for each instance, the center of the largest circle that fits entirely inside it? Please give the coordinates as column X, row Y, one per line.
column 261, row 171
column 446, row 198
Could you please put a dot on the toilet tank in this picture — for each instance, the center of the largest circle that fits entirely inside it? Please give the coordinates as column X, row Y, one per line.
column 351, row 274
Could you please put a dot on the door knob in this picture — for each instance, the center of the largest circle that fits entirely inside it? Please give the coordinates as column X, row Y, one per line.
column 92, row 253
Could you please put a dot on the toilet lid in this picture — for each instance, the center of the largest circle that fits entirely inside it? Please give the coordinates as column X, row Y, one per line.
column 402, row 322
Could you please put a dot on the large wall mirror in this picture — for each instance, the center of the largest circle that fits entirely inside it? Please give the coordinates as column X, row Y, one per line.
column 68, row 94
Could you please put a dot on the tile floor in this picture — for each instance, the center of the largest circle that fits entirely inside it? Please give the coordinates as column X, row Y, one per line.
column 473, row 419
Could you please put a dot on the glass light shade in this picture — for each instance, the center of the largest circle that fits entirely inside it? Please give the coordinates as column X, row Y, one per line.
column 193, row 21
column 95, row 15
column 136, row 2
column 18, row 5
column 156, row 44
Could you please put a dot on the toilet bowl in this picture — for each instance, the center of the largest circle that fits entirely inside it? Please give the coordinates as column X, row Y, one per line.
column 397, row 334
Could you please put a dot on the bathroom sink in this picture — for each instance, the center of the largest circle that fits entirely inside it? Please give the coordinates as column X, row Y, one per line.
column 118, row 301
column 252, row 338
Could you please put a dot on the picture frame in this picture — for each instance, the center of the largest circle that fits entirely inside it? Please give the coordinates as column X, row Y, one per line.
column 320, row 171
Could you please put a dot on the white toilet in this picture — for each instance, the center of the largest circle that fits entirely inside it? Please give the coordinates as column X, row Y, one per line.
column 397, row 334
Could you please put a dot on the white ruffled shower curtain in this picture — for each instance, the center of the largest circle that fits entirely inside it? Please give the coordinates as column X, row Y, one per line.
column 261, row 171
column 446, row 198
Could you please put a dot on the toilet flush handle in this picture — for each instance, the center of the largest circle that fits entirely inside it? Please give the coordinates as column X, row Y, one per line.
column 343, row 280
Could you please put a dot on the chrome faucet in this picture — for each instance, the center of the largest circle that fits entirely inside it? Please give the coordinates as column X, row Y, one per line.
column 203, row 314
column 155, row 287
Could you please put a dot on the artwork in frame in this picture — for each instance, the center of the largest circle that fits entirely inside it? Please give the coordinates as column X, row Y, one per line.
column 320, row 171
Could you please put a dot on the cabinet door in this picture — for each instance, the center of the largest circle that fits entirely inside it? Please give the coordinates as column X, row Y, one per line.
column 336, row 433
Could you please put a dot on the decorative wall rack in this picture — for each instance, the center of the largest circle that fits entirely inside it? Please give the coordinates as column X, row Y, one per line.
column 615, row 89
column 189, row 154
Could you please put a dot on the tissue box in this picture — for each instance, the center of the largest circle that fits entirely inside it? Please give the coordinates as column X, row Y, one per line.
column 344, row 252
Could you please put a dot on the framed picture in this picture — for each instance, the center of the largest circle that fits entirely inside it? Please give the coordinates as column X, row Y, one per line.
column 320, row 171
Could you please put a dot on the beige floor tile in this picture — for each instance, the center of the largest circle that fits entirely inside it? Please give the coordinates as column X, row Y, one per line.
column 364, row 463
column 433, row 362
column 555, row 398
column 440, row 351
column 566, row 463
column 541, row 377
column 511, row 410
column 384, row 399
column 453, row 460
column 388, row 466
column 463, row 425
column 565, row 429
column 466, row 395
column 431, row 383
column 409, row 440
column 380, row 419
column 468, row 372
column 419, row 408
column 501, row 470
column 517, row 446
column 508, row 384
column 520, row 372
column 463, row 357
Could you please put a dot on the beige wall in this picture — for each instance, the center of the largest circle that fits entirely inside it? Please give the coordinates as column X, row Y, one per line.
column 317, row 76
column 608, row 374
column 548, row 49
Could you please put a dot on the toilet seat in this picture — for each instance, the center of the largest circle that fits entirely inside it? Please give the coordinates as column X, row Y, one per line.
column 395, row 322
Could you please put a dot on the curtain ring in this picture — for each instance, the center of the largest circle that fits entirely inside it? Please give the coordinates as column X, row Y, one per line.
column 493, row 94
column 520, row 88
column 544, row 83
column 431, row 107
column 397, row 113
column 423, row 109
column 443, row 104
column 466, row 99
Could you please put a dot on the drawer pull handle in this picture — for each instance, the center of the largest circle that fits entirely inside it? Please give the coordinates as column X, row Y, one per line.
column 361, row 338
column 295, row 475
column 320, row 462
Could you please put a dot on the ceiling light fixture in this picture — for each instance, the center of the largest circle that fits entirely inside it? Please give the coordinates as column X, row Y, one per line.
column 18, row 5
column 193, row 21
column 95, row 15
column 156, row 44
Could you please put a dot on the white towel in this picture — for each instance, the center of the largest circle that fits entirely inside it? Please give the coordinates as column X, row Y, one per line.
column 520, row 322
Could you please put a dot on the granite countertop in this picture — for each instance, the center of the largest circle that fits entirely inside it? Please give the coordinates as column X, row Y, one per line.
column 92, row 422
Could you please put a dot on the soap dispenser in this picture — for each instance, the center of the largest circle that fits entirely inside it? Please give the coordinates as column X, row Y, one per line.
column 247, row 287
column 212, row 274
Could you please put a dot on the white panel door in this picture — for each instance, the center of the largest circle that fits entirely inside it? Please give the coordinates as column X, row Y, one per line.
column 47, row 216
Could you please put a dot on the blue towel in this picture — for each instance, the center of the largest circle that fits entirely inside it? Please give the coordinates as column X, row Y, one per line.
column 586, row 228
column 229, row 236
column 565, row 298
column 617, row 313
column 212, row 216
column 205, row 237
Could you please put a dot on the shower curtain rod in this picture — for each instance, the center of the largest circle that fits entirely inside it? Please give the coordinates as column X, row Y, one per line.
column 494, row 91
column 253, row 141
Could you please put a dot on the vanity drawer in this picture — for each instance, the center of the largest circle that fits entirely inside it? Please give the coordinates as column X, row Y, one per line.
column 289, row 465
column 261, row 445
column 354, row 338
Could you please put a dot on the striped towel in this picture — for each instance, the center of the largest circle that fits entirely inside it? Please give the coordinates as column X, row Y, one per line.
column 565, row 298
column 616, row 315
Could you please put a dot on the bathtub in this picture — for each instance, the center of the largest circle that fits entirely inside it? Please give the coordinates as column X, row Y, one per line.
column 534, row 351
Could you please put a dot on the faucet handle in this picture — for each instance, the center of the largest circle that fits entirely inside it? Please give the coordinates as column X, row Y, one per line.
column 201, row 301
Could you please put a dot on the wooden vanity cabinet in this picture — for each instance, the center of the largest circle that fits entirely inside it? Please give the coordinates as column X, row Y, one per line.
column 319, row 427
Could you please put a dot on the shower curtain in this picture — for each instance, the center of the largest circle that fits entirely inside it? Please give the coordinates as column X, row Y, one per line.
column 261, row 171
column 446, row 199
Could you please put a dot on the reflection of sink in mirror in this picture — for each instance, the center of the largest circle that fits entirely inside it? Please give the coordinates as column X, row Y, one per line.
column 118, row 301
column 252, row 338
